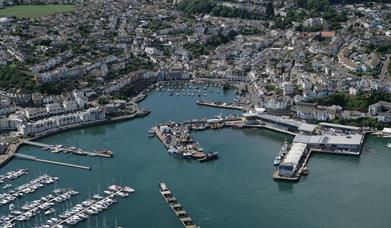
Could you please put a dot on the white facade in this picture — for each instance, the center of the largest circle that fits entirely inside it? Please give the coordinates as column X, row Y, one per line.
column 54, row 109
column 61, row 122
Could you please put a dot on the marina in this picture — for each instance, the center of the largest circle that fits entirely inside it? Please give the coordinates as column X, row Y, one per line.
column 30, row 187
column 43, row 205
column 176, row 207
column 89, row 207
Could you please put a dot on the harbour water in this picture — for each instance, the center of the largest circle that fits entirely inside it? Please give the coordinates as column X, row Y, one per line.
column 235, row 191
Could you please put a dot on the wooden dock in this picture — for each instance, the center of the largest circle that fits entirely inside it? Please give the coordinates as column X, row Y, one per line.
column 176, row 207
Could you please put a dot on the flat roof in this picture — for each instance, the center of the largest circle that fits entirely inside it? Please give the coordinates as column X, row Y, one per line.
column 354, row 139
column 339, row 126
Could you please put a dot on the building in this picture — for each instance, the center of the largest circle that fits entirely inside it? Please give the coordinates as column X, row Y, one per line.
column 381, row 106
column 342, row 144
column 290, row 164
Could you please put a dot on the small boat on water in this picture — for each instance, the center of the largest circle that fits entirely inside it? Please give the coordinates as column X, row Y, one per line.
column 50, row 211
column 305, row 171
column 389, row 145
column 7, row 186
column 210, row 156
column 151, row 133
column 174, row 152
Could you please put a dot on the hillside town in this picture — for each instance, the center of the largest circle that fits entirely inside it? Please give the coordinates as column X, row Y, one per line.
column 310, row 61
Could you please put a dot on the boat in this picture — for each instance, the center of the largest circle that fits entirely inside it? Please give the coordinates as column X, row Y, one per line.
column 174, row 152
column 210, row 156
column 305, row 171
column 7, row 186
column 198, row 155
column 389, row 145
column 50, row 211
column 151, row 133
column 277, row 161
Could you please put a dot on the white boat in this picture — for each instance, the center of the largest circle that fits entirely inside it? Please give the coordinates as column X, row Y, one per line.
column 7, row 186
column 389, row 145
column 50, row 211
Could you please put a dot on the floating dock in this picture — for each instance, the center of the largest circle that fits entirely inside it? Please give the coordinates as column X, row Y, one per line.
column 176, row 207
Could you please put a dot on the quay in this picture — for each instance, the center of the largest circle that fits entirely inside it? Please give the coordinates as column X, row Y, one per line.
column 222, row 105
column 177, row 140
column 176, row 207
column 33, row 158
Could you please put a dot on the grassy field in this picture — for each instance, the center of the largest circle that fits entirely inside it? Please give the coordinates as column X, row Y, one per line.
column 33, row 11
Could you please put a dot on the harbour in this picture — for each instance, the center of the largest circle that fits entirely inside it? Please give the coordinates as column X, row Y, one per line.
column 243, row 172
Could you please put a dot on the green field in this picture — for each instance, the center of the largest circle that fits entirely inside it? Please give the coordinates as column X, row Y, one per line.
column 33, row 11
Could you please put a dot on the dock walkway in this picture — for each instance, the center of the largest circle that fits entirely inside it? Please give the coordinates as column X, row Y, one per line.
column 176, row 207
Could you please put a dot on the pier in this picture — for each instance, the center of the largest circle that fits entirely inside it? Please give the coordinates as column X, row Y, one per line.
column 176, row 207
column 60, row 148
column 33, row 158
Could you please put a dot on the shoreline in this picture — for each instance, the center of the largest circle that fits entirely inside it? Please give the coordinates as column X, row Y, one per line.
column 12, row 151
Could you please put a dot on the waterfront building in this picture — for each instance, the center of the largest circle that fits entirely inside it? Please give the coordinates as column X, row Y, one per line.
column 290, row 164
column 343, row 144
column 279, row 122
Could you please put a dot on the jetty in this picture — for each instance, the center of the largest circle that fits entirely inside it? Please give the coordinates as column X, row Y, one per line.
column 33, row 158
column 231, row 105
column 88, row 207
column 61, row 148
column 176, row 207
column 11, row 175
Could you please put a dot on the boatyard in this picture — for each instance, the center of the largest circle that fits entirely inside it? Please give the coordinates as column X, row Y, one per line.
column 176, row 207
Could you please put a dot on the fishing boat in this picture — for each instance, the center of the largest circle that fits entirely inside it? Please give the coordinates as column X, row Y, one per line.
column 210, row 156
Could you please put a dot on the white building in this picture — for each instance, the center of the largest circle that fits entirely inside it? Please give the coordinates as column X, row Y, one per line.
column 54, row 109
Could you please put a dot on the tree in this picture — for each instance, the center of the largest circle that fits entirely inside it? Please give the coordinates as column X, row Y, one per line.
column 103, row 100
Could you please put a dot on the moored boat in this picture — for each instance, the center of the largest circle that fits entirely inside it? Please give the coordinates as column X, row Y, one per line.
column 210, row 156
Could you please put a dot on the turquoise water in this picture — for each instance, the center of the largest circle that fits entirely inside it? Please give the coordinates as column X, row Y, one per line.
column 235, row 191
